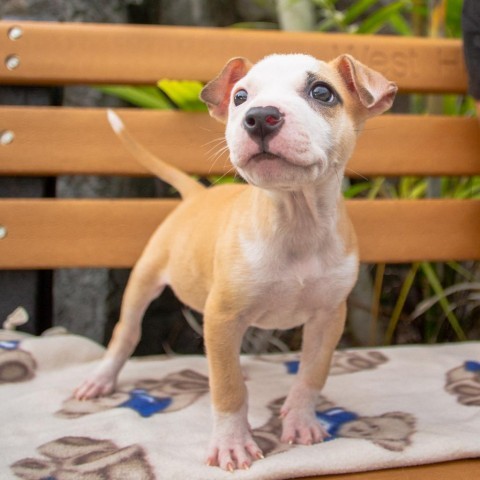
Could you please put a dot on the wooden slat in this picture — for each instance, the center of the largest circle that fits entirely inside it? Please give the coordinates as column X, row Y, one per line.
column 81, row 233
column 467, row 469
column 52, row 141
column 415, row 230
column 52, row 53
column 76, row 141
column 77, row 233
column 396, row 145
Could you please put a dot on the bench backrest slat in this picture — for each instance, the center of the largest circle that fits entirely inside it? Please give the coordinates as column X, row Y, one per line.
column 112, row 233
column 119, row 54
column 51, row 141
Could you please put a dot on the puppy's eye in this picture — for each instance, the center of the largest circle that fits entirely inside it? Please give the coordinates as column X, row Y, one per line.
column 240, row 97
column 323, row 93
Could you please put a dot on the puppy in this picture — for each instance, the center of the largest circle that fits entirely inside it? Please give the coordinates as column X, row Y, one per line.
column 278, row 252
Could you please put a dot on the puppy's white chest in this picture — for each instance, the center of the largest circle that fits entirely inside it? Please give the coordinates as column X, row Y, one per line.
column 304, row 271
column 268, row 264
column 287, row 291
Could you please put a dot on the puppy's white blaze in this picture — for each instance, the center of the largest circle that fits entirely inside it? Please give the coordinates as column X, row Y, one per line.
column 115, row 121
column 274, row 66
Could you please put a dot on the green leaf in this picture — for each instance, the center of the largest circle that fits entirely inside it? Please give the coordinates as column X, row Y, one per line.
column 184, row 94
column 412, row 187
column 376, row 299
column 418, row 190
column 400, row 304
column 454, row 18
column 357, row 189
column 405, row 186
column 358, row 8
column 377, row 184
column 381, row 17
column 145, row 97
column 224, row 179
column 400, row 25
column 461, row 188
column 327, row 25
column 436, row 286
column 470, row 192
column 461, row 270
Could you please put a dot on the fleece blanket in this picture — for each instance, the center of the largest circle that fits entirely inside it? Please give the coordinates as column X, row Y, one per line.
column 383, row 407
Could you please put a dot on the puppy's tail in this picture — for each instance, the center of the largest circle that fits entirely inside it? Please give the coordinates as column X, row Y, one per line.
column 168, row 173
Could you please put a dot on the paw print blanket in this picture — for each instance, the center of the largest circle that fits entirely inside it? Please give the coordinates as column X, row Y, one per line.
column 383, row 407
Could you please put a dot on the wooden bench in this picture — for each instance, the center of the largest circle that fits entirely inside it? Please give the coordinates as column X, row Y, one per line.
column 53, row 141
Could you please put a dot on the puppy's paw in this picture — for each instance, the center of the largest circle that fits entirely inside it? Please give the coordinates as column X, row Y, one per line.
column 92, row 388
column 301, row 426
column 232, row 445
column 102, row 382
column 235, row 453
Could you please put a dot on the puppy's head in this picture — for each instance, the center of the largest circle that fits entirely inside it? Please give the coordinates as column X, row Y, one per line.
column 292, row 119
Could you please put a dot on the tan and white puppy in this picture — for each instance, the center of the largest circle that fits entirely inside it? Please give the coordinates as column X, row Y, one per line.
column 278, row 252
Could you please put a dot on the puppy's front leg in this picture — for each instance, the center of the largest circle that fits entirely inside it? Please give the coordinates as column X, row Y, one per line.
column 320, row 337
column 232, row 445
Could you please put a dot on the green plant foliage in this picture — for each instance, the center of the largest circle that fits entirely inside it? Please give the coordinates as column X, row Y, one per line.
column 453, row 19
column 386, row 15
column 364, row 16
column 143, row 97
column 169, row 94
column 427, row 278
column 184, row 94
column 436, row 285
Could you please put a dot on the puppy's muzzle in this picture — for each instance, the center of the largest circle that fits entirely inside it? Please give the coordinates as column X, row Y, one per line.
column 263, row 122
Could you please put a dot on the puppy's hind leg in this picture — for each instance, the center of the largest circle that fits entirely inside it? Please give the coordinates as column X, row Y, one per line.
column 144, row 285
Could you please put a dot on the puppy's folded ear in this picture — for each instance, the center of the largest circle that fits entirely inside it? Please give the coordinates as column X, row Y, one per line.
column 216, row 93
column 374, row 92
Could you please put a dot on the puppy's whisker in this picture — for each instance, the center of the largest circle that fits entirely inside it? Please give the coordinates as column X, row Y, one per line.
column 214, row 158
column 218, row 147
column 206, row 129
column 221, row 137
column 217, row 141
column 220, row 151
column 214, row 146
column 338, row 178
column 358, row 174
column 219, row 179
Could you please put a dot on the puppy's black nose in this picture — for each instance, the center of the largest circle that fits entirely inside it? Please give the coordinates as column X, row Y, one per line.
column 260, row 122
